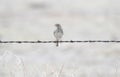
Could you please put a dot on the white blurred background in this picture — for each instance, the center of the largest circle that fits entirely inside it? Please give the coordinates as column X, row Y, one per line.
column 80, row 19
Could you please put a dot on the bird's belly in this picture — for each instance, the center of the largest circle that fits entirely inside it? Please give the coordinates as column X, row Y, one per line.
column 58, row 35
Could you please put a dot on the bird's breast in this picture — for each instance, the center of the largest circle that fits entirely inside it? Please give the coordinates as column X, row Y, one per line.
column 58, row 34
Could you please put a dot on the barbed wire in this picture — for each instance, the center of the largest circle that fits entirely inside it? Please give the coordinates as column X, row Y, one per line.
column 71, row 41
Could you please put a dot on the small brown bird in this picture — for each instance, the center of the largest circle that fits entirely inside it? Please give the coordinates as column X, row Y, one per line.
column 58, row 33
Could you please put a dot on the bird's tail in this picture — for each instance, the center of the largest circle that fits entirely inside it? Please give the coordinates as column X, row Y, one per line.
column 57, row 43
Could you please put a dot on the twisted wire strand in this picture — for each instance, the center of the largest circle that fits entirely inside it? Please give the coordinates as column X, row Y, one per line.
column 71, row 41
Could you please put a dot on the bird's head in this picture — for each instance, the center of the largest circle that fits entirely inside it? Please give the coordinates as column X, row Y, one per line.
column 57, row 25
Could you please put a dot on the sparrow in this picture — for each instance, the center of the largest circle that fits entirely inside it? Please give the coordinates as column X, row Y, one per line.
column 58, row 33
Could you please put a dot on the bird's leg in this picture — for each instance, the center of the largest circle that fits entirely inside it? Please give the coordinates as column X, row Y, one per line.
column 57, row 43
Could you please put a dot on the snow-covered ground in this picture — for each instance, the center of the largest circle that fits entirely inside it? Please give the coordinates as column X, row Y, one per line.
column 80, row 19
